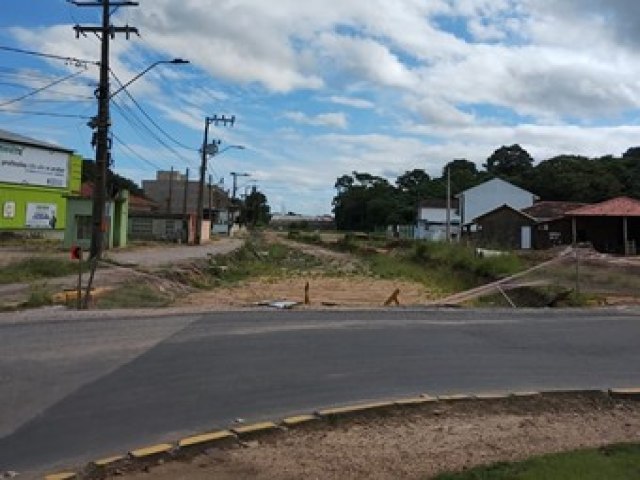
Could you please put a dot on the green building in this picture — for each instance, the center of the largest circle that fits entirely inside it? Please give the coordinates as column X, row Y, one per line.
column 36, row 178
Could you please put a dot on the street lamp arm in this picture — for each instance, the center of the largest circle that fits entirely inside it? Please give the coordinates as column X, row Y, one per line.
column 228, row 147
column 179, row 61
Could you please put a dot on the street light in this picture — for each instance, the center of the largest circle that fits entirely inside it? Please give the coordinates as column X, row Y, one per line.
column 175, row 61
column 101, row 124
column 208, row 150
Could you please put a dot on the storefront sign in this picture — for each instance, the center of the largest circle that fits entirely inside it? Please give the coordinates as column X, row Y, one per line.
column 33, row 166
column 9, row 210
column 41, row 215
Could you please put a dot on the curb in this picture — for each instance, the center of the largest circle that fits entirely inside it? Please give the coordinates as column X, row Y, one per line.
column 146, row 456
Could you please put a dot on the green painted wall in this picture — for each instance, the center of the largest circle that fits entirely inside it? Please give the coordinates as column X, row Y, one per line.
column 21, row 195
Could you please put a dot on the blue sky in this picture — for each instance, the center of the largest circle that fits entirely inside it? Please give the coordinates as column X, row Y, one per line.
column 322, row 88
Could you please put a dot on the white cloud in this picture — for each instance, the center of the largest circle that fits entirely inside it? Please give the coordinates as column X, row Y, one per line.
column 337, row 120
column 352, row 102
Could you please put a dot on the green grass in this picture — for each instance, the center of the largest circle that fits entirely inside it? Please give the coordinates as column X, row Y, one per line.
column 617, row 462
column 37, row 268
column 259, row 259
column 134, row 295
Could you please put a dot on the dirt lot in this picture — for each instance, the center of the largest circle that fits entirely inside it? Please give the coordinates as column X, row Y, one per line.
column 418, row 442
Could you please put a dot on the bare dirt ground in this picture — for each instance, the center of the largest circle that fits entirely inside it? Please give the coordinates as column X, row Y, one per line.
column 348, row 289
column 419, row 442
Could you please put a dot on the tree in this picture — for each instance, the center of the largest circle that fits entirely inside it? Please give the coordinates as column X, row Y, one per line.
column 255, row 210
column 115, row 182
column 464, row 175
column 511, row 162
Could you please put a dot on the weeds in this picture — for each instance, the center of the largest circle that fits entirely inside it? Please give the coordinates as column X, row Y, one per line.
column 37, row 268
column 134, row 295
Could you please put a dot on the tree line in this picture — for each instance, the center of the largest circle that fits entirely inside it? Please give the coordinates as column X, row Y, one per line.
column 365, row 202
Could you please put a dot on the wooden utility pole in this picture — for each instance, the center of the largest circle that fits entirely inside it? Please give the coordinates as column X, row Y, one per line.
column 170, row 199
column 101, row 124
column 206, row 151
column 186, row 193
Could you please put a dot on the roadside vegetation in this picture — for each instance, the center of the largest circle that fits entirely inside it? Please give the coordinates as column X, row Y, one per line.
column 616, row 462
column 134, row 295
column 37, row 268
column 444, row 268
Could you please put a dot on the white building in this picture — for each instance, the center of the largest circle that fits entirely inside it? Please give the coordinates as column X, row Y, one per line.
column 432, row 220
column 490, row 195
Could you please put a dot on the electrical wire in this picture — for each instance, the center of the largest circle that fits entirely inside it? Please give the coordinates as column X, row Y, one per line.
column 38, row 90
column 148, row 117
column 47, row 114
column 58, row 92
column 134, row 153
column 122, row 107
column 71, row 60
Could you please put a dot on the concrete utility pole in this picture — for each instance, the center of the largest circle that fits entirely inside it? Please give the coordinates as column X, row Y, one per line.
column 185, row 193
column 448, row 228
column 235, row 176
column 207, row 149
column 170, row 199
column 101, row 124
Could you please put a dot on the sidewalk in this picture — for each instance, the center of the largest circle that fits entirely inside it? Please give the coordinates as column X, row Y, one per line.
column 164, row 255
column 147, row 258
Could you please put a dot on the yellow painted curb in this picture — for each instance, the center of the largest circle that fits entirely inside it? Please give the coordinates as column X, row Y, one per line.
column 298, row 420
column 62, row 476
column 454, row 397
column 150, row 451
column 354, row 408
column 491, row 396
column 105, row 462
column 524, row 394
column 403, row 402
column 254, row 428
column 625, row 392
column 205, row 438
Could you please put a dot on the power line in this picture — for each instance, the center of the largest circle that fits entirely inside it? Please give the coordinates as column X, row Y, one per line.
column 148, row 117
column 58, row 92
column 46, row 114
column 134, row 153
column 70, row 60
column 123, row 108
column 38, row 90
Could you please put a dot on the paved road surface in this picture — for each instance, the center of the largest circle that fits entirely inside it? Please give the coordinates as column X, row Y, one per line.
column 76, row 389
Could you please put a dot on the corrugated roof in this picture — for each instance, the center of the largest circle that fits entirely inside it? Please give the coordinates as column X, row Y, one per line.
column 548, row 210
column 616, row 207
column 15, row 138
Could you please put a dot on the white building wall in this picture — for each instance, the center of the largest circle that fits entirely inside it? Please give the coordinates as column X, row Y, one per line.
column 490, row 195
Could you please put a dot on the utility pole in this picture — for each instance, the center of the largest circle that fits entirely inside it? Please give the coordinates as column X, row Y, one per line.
column 170, row 191
column 186, row 193
column 210, row 199
column 235, row 176
column 101, row 123
column 448, row 230
column 206, row 151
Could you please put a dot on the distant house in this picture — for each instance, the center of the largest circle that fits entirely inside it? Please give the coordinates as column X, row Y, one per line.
column 487, row 196
column 539, row 226
column 611, row 226
column 432, row 219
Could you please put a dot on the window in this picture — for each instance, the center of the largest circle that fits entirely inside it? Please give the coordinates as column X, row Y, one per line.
column 83, row 227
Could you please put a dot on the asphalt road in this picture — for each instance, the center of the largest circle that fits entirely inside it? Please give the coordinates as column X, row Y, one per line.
column 77, row 389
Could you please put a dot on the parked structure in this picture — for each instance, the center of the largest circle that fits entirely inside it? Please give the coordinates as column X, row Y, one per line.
column 432, row 220
column 79, row 214
column 487, row 196
column 540, row 226
column 35, row 180
column 611, row 226
column 176, row 195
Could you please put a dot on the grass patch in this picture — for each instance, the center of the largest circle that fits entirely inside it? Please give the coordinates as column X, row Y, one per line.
column 260, row 259
column 134, row 295
column 38, row 268
column 39, row 296
column 617, row 462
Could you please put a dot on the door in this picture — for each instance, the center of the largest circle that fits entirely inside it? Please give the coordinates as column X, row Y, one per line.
column 525, row 237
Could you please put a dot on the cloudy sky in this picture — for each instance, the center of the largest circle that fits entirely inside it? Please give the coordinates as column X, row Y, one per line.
column 320, row 88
